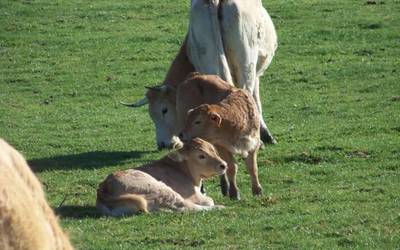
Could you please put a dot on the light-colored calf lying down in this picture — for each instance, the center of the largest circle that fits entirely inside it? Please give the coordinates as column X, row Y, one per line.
column 26, row 220
column 171, row 183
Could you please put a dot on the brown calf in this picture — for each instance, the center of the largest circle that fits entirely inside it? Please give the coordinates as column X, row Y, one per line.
column 231, row 122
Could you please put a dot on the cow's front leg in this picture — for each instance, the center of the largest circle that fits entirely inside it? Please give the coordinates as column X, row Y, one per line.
column 224, row 184
column 223, row 178
column 252, row 168
column 230, row 173
column 233, row 189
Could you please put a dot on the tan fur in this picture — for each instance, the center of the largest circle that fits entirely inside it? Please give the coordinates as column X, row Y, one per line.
column 196, row 90
column 179, row 68
column 171, row 183
column 26, row 220
column 232, row 123
column 234, row 39
column 210, row 94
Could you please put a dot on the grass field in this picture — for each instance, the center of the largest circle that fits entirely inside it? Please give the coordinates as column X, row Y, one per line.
column 331, row 97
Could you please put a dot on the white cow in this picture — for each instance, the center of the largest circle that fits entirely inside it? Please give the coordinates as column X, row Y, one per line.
column 234, row 39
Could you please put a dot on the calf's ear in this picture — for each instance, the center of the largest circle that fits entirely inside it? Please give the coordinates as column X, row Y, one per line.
column 216, row 118
column 176, row 156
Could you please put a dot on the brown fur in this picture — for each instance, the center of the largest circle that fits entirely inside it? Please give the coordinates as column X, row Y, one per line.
column 180, row 68
column 26, row 220
column 172, row 182
column 196, row 90
column 234, row 39
column 231, row 123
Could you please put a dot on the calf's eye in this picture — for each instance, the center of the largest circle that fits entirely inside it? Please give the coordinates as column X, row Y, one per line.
column 202, row 157
column 197, row 122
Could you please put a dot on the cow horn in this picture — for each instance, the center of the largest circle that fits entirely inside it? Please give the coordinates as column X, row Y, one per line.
column 139, row 103
column 157, row 88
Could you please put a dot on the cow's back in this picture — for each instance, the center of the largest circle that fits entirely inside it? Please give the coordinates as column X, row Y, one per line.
column 157, row 194
column 240, row 111
column 168, row 172
column 199, row 89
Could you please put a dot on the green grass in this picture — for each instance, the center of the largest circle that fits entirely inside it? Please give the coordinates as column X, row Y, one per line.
column 329, row 97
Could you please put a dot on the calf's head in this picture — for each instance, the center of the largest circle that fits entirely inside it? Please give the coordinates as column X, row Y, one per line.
column 162, row 101
column 201, row 157
column 203, row 121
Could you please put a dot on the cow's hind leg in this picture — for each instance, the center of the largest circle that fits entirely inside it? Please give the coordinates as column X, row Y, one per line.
column 241, row 34
column 265, row 134
column 252, row 168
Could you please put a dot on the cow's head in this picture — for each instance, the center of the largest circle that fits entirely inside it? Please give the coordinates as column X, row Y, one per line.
column 202, row 121
column 162, row 110
column 201, row 157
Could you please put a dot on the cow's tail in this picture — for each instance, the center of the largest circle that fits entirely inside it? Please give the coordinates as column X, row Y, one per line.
column 124, row 204
column 225, row 73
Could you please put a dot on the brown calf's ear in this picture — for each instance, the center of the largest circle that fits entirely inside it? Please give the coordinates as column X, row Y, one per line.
column 176, row 156
column 216, row 118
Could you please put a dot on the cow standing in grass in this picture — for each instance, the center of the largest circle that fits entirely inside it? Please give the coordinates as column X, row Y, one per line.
column 234, row 39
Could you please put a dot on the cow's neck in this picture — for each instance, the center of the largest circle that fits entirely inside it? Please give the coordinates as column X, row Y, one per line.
column 183, row 167
column 180, row 68
column 190, row 173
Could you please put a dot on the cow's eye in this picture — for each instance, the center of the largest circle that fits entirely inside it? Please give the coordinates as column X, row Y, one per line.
column 197, row 122
column 202, row 157
column 164, row 111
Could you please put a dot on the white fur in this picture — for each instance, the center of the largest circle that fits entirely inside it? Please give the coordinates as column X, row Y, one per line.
column 242, row 43
column 244, row 145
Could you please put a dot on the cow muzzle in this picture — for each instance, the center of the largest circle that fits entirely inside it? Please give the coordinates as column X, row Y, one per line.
column 175, row 143
column 183, row 137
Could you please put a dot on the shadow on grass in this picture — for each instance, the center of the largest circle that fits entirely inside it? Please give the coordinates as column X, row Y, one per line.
column 87, row 160
column 303, row 157
column 77, row 212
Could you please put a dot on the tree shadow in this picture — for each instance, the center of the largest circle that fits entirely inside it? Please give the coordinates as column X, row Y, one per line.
column 78, row 212
column 87, row 160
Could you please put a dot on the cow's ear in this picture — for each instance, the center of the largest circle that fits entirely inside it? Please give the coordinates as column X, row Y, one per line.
column 216, row 118
column 176, row 156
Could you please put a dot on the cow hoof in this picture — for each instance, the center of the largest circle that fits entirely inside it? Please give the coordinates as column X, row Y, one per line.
column 267, row 138
column 224, row 191
column 234, row 195
column 257, row 190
